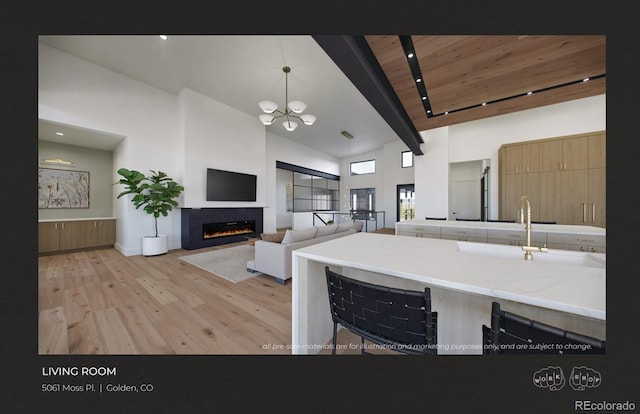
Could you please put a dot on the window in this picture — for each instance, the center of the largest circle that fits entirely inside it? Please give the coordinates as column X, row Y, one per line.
column 363, row 167
column 313, row 193
column 407, row 159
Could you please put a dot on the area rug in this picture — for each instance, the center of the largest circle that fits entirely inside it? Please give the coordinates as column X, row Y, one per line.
column 229, row 263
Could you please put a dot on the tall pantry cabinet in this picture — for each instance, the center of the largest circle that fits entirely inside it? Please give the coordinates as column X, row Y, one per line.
column 563, row 177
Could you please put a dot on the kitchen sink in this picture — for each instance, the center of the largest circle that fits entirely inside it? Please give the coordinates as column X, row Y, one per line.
column 565, row 257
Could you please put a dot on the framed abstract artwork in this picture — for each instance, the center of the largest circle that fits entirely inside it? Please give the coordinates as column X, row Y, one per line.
column 63, row 188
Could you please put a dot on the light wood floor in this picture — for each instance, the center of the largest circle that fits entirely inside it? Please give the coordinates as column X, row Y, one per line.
column 101, row 302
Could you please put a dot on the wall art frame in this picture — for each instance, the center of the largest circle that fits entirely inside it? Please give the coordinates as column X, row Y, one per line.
column 63, row 188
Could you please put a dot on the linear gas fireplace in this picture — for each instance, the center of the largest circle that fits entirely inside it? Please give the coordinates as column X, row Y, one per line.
column 226, row 229
column 205, row 227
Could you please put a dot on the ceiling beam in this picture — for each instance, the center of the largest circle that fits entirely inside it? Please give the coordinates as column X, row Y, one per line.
column 354, row 57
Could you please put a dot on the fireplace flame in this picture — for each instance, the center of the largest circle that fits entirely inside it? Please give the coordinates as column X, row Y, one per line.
column 234, row 232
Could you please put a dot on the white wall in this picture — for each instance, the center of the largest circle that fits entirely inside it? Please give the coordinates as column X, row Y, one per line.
column 218, row 136
column 479, row 140
column 432, row 174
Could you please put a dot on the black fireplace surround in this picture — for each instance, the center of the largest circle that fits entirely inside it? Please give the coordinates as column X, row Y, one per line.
column 197, row 221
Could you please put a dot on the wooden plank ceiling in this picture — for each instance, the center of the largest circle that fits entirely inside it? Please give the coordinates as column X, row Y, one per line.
column 460, row 73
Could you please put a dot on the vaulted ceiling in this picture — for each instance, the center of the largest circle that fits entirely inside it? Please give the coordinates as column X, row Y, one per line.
column 458, row 74
column 370, row 89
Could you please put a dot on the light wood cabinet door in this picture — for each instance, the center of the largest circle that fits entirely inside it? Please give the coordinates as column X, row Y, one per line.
column 531, row 158
column 573, row 203
column 512, row 194
column 549, row 196
column 106, row 235
column 597, row 207
column 531, row 188
column 575, row 153
column 88, row 233
column 48, row 237
column 513, row 159
column 551, row 156
column 71, row 234
column 598, row 151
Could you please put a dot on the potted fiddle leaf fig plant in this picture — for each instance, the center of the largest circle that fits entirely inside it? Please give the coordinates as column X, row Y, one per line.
column 157, row 194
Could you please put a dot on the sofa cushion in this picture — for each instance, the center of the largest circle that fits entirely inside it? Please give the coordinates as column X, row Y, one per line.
column 326, row 230
column 293, row 236
column 273, row 237
column 343, row 227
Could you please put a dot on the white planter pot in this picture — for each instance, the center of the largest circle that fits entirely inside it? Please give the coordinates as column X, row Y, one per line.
column 153, row 246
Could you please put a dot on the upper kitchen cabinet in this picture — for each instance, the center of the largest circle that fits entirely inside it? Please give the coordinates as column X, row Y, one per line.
column 563, row 177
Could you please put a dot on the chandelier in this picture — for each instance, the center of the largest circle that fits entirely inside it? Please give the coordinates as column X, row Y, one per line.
column 292, row 109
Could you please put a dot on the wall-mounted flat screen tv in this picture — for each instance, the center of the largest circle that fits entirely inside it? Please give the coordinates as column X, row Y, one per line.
column 230, row 186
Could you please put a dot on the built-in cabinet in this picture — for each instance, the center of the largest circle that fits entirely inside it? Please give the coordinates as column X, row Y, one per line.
column 563, row 177
column 64, row 235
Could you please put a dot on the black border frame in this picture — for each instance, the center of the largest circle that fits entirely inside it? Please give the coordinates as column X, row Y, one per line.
column 282, row 384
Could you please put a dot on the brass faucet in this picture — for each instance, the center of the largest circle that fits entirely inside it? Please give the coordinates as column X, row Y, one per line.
column 528, row 249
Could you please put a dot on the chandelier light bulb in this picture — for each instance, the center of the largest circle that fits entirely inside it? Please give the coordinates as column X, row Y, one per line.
column 297, row 106
column 308, row 119
column 290, row 125
column 266, row 119
column 268, row 106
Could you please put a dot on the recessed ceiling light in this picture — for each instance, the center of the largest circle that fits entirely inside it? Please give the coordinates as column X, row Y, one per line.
column 424, row 98
column 163, row 37
column 484, row 104
column 585, row 79
column 446, row 113
column 428, row 111
column 418, row 80
column 59, row 133
column 529, row 93
column 410, row 55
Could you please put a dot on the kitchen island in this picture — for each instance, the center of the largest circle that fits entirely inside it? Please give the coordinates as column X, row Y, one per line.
column 562, row 288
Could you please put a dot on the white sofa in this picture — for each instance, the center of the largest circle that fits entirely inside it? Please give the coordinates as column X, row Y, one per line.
column 275, row 259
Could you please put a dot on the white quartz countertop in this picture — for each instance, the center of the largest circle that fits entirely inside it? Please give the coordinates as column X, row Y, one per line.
column 572, row 282
column 547, row 228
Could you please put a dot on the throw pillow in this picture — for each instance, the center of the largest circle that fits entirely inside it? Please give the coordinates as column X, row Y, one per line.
column 293, row 236
column 357, row 225
column 273, row 237
column 326, row 230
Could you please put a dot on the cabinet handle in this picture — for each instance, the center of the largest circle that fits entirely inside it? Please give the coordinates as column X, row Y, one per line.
column 62, row 224
column 55, row 226
column 593, row 212
column 95, row 224
column 527, row 167
column 584, row 212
